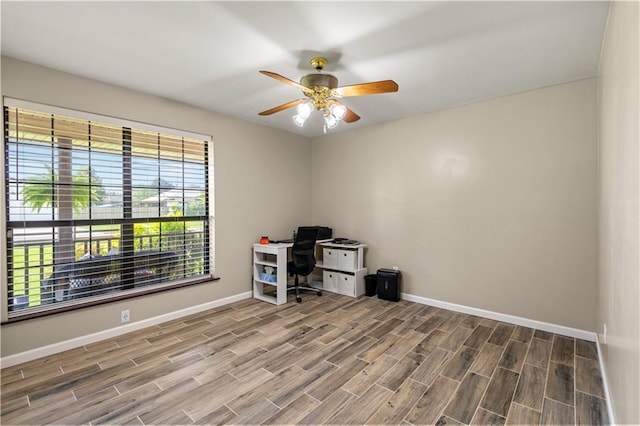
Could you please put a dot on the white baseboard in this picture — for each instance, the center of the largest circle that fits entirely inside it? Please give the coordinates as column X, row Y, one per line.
column 605, row 384
column 54, row 348
column 525, row 322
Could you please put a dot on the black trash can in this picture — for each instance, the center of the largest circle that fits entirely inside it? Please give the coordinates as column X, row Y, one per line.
column 370, row 284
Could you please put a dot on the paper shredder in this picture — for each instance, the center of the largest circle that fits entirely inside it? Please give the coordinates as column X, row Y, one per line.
column 388, row 287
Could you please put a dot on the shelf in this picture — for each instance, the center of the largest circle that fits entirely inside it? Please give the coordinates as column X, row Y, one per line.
column 266, row 263
column 265, row 282
column 265, row 298
column 343, row 246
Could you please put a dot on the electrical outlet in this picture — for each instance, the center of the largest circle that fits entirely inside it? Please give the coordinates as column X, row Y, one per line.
column 604, row 333
column 125, row 316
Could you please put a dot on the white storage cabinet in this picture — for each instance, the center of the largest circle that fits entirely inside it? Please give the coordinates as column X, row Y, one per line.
column 343, row 268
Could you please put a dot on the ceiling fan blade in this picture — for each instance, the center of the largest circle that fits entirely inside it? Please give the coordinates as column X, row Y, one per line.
column 384, row 86
column 284, row 80
column 282, row 107
column 350, row 116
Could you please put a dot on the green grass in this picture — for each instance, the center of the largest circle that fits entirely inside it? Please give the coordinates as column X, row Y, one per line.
column 27, row 277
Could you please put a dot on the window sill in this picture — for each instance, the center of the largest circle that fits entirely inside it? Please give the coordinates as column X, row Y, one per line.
column 102, row 300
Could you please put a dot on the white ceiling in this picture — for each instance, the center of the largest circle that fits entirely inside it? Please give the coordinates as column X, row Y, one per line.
column 208, row 54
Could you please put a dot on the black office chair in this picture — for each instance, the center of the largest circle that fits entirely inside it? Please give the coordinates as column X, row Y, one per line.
column 303, row 258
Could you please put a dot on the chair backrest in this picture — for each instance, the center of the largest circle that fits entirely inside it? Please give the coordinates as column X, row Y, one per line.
column 304, row 249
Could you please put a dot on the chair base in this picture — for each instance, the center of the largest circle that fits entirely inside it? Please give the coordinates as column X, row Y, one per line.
column 296, row 287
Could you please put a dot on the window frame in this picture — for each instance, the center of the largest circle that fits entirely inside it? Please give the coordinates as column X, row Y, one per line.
column 126, row 292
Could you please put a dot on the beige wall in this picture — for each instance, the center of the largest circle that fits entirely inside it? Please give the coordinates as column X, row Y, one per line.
column 619, row 282
column 250, row 200
column 490, row 205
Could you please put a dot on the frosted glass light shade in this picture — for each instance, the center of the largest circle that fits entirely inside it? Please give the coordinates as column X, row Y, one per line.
column 338, row 111
column 304, row 110
column 298, row 120
column 331, row 121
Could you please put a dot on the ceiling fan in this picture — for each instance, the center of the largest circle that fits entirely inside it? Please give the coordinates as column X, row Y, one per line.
column 321, row 90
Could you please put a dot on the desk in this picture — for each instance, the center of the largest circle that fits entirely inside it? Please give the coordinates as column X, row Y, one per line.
column 342, row 269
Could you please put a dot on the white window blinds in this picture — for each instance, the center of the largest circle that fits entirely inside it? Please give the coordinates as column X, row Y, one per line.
column 97, row 210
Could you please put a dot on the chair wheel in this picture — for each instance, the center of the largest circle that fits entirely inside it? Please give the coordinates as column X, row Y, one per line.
column 319, row 293
column 298, row 299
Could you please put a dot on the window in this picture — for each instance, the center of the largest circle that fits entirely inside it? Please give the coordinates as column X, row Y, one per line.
column 99, row 208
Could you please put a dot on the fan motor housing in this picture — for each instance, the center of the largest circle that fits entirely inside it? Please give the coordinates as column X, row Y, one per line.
column 319, row 80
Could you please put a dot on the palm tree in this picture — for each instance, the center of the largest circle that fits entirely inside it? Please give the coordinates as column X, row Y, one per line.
column 54, row 190
column 86, row 190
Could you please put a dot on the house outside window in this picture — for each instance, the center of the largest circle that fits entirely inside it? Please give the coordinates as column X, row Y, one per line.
column 99, row 209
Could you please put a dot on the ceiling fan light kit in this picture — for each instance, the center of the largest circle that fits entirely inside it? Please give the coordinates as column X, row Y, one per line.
column 321, row 90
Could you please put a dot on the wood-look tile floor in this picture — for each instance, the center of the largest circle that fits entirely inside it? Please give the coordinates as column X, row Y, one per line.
column 330, row 359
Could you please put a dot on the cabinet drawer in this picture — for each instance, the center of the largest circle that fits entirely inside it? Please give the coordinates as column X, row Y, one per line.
column 330, row 258
column 347, row 284
column 346, row 260
column 330, row 281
